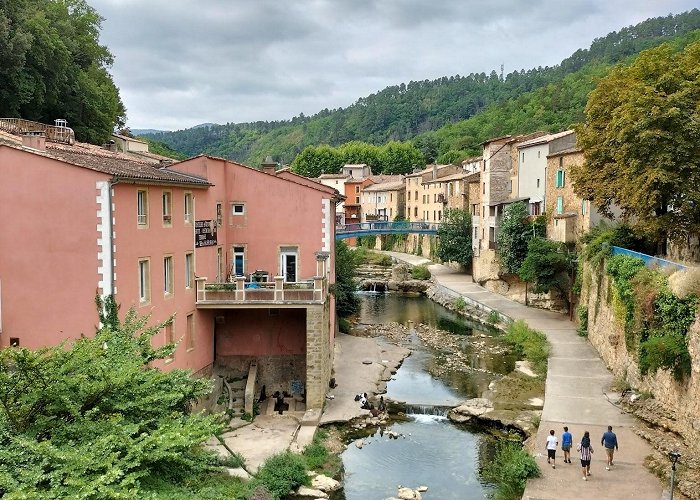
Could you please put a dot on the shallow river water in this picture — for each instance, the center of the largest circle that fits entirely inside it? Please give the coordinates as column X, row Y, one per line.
column 430, row 450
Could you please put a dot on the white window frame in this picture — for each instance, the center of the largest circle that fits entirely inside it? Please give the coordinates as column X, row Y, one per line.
column 142, row 207
column 189, row 270
column 168, row 278
column 167, row 198
column 235, row 206
column 144, row 281
column 188, row 207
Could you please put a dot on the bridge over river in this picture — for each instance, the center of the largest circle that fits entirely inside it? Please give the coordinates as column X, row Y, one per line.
column 374, row 228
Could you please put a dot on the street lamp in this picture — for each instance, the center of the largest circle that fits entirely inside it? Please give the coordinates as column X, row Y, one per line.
column 673, row 456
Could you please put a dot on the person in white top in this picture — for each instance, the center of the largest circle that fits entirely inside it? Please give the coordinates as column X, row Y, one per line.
column 552, row 443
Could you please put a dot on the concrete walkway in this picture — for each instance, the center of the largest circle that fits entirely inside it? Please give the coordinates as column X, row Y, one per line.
column 575, row 395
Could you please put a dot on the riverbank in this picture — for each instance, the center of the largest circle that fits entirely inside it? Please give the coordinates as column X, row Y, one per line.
column 577, row 394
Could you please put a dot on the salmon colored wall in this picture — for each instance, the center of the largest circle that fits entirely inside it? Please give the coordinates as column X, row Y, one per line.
column 296, row 221
column 154, row 242
column 254, row 332
column 48, row 249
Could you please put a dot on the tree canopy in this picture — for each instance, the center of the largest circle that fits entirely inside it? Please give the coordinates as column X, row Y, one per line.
column 53, row 66
column 547, row 266
column 455, row 234
column 640, row 142
column 513, row 236
column 92, row 419
column 346, row 301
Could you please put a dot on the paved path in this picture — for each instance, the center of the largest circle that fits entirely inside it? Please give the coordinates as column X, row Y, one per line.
column 575, row 395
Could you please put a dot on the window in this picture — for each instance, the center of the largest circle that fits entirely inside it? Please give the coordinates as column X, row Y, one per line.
column 484, row 189
column 168, row 275
column 142, row 207
column 237, row 209
column 391, row 197
column 219, row 265
column 167, row 208
column 14, row 341
column 357, row 200
column 523, row 160
column 559, row 181
column 439, row 214
column 188, row 208
column 288, row 263
column 189, row 270
column 219, row 214
column 416, row 195
column 560, row 205
column 238, row 261
column 510, row 186
column 190, row 332
column 583, row 207
column 561, row 161
column 409, row 196
column 538, row 154
column 415, row 212
column 538, row 183
column 357, row 189
column 144, row 281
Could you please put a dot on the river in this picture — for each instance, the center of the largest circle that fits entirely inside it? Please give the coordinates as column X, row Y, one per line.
column 429, row 450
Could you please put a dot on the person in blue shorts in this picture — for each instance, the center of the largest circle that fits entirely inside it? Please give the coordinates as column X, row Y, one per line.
column 566, row 441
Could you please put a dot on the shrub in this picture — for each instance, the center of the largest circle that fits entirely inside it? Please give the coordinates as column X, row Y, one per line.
column 316, row 453
column 530, row 343
column 459, row 304
column 282, row 473
column 669, row 351
column 420, row 273
column 344, row 325
column 622, row 269
column 686, row 282
column 582, row 314
column 494, row 318
column 509, row 470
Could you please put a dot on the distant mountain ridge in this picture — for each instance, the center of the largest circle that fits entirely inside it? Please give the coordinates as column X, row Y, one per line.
column 447, row 116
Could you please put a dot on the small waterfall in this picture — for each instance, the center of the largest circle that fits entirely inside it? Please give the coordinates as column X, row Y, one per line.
column 434, row 411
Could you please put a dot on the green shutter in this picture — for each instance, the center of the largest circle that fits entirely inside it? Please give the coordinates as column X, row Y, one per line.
column 560, row 205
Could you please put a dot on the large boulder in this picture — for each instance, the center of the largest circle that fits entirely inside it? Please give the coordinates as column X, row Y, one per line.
column 476, row 407
column 324, row 483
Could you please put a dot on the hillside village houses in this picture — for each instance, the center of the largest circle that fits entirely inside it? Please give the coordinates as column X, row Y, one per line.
column 201, row 240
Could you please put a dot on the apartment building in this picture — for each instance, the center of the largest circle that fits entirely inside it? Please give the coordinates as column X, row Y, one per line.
column 201, row 240
column 384, row 200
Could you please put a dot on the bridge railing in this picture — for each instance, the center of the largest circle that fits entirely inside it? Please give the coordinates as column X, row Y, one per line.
column 387, row 227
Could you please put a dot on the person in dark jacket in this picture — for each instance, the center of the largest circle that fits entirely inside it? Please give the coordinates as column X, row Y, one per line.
column 609, row 441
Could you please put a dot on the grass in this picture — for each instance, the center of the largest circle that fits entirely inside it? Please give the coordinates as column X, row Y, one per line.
column 459, row 304
column 509, row 471
column 420, row 273
column 369, row 257
column 319, row 459
column 530, row 343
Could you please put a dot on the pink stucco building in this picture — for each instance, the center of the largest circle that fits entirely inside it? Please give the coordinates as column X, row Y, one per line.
column 183, row 239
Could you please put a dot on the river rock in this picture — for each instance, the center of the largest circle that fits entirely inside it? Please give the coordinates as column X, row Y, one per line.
column 476, row 407
column 408, row 494
column 305, row 491
column 324, row 483
column 359, row 443
column 422, row 489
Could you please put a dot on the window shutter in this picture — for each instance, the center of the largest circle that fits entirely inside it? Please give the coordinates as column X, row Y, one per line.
column 560, row 205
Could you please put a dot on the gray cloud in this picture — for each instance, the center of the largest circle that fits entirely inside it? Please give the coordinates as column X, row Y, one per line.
column 179, row 63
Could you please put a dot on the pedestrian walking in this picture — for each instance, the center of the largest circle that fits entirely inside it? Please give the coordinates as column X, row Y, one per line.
column 609, row 441
column 566, row 441
column 551, row 446
column 586, row 455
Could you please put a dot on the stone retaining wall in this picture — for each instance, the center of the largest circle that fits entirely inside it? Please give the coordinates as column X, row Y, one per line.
column 678, row 403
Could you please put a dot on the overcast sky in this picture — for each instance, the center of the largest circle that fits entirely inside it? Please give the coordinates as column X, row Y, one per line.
column 179, row 63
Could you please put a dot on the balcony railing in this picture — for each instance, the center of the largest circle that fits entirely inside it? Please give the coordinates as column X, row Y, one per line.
column 278, row 291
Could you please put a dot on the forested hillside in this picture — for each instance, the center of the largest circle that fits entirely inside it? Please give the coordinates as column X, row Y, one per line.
column 449, row 116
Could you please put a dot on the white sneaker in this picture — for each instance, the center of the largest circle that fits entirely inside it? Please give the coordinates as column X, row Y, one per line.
column 585, row 478
column 607, row 468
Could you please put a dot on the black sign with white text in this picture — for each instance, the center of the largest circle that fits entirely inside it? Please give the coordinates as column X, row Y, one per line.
column 204, row 233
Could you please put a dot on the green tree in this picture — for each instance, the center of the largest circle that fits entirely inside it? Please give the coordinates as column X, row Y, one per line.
column 640, row 142
column 399, row 158
column 52, row 66
column 455, row 237
column 317, row 160
column 356, row 152
column 92, row 419
column 547, row 266
column 346, row 301
column 513, row 236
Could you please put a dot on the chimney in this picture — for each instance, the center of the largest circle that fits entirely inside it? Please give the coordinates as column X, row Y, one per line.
column 269, row 166
column 435, row 172
column 34, row 140
column 110, row 146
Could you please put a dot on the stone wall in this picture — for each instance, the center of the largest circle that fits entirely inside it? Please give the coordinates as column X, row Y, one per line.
column 680, row 402
column 319, row 357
